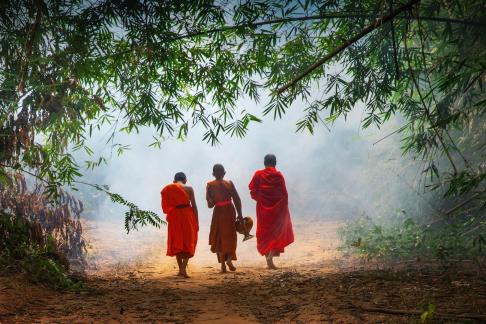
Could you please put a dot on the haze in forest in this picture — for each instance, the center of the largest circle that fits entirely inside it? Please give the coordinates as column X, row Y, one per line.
column 339, row 173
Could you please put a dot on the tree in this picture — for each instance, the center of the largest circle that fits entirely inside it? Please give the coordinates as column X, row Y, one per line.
column 69, row 67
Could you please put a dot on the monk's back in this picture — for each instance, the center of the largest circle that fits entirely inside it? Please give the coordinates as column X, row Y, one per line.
column 175, row 194
column 268, row 186
column 220, row 190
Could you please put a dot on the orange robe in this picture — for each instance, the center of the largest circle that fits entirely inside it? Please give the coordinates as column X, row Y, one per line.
column 182, row 226
column 222, row 235
column 274, row 228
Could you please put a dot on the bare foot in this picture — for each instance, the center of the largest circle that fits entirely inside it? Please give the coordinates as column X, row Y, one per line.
column 270, row 264
column 184, row 274
column 230, row 265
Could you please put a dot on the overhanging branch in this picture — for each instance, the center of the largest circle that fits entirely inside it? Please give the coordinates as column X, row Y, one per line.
column 377, row 23
column 330, row 15
column 28, row 46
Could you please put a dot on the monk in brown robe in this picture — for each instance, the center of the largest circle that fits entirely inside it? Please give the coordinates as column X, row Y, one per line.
column 221, row 195
column 179, row 204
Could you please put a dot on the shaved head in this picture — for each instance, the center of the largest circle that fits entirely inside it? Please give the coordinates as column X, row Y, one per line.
column 218, row 171
column 270, row 160
column 180, row 177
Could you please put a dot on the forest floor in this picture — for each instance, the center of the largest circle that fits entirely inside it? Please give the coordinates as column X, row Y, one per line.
column 314, row 284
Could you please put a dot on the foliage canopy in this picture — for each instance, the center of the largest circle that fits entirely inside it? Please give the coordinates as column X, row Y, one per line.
column 70, row 67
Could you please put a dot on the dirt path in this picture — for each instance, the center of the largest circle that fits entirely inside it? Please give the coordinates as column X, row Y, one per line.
column 304, row 295
column 313, row 285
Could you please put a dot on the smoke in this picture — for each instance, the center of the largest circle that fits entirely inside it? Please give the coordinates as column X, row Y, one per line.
column 333, row 175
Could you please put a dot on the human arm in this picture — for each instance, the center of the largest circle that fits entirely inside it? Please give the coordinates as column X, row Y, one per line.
column 209, row 198
column 165, row 204
column 284, row 186
column 193, row 205
column 253, row 186
column 236, row 200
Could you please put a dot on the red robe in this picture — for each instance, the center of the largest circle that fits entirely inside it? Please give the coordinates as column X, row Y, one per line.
column 274, row 227
column 181, row 221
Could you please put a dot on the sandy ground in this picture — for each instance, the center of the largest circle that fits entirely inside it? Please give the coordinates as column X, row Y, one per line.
column 134, row 282
column 111, row 247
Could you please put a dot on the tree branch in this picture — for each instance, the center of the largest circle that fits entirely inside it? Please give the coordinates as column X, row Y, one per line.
column 426, row 108
column 395, row 50
column 29, row 44
column 133, row 217
column 453, row 209
column 427, row 74
column 392, row 133
column 332, row 15
column 377, row 23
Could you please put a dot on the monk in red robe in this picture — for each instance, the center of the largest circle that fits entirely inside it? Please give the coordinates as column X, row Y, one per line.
column 274, row 227
column 221, row 195
column 179, row 204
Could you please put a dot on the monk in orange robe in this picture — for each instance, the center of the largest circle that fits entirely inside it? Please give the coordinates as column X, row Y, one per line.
column 221, row 195
column 179, row 204
column 274, row 227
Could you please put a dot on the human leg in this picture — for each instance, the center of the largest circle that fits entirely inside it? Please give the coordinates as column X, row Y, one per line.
column 179, row 263
column 269, row 258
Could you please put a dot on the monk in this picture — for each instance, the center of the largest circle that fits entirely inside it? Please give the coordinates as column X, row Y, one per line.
column 274, row 227
column 222, row 195
column 179, row 204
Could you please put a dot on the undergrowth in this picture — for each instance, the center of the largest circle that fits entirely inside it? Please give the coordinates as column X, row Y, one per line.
column 408, row 240
column 21, row 250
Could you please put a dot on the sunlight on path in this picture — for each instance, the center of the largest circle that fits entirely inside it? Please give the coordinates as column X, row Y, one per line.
column 110, row 247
